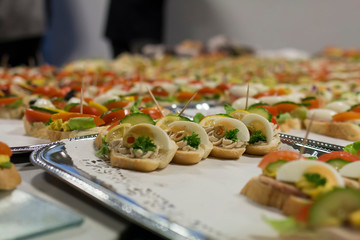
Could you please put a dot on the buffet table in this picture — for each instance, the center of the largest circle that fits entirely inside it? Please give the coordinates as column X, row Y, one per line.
column 98, row 222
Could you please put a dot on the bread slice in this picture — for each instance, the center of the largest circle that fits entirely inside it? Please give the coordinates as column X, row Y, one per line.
column 11, row 113
column 55, row 135
column 143, row 165
column 9, row 178
column 263, row 149
column 280, row 197
column 290, row 123
column 343, row 130
column 224, row 153
column 36, row 129
column 188, row 157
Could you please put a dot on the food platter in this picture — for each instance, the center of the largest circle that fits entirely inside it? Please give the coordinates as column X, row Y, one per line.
column 201, row 201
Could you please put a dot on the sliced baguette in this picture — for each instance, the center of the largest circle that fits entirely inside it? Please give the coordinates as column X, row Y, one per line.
column 290, row 123
column 9, row 178
column 263, row 149
column 188, row 157
column 224, row 153
column 269, row 195
column 55, row 135
column 11, row 113
column 36, row 129
column 343, row 130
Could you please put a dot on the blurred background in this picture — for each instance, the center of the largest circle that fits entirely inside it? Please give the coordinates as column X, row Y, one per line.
column 76, row 29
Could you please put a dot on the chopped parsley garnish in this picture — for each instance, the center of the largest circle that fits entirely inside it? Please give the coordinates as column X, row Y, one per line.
column 49, row 122
column 315, row 178
column 145, row 144
column 104, row 150
column 232, row 135
column 193, row 140
column 229, row 109
column 257, row 137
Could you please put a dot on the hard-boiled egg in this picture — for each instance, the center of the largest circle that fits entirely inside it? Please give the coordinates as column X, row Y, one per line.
column 232, row 123
column 321, row 114
column 240, row 103
column 255, row 122
column 294, row 170
column 338, row 106
column 241, row 91
column 158, row 135
column 351, row 170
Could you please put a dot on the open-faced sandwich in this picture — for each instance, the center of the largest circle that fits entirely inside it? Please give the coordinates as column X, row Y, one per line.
column 229, row 136
column 192, row 141
column 141, row 147
column 264, row 135
column 9, row 177
column 289, row 184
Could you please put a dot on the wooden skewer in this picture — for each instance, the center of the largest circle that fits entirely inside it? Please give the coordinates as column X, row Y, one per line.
column 141, row 86
column 306, row 137
column 187, row 104
column 156, row 102
column 247, row 96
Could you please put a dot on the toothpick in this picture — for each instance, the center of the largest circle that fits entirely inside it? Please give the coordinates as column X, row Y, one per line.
column 247, row 96
column 141, row 86
column 306, row 137
column 187, row 104
column 156, row 102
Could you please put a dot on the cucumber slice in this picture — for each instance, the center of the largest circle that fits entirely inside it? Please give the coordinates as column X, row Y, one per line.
column 258, row 104
column 300, row 112
column 337, row 163
column 42, row 109
column 333, row 208
column 138, row 117
column 69, row 106
column 260, row 111
column 273, row 167
column 81, row 123
column 288, row 102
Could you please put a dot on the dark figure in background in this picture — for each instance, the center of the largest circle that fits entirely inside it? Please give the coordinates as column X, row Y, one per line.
column 22, row 25
column 133, row 23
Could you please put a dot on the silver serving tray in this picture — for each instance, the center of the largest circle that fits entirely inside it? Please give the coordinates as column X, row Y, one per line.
column 54, row 160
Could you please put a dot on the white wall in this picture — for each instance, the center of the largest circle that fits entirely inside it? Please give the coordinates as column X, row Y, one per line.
column 309, row 25
column 267, row 24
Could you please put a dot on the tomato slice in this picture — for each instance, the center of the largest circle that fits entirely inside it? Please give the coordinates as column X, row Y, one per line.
column 147, row 99
column 224, row 86
column 153, row 112
column 117, row 104
column 286, row 107
column 113, row 116
column 272, row 92
column 346, row 116
column 338, row 154
column 59, row 104
column 32, row 115
column 65, row 116
column 278, row 155
column 303, row 214
column 185, row 96
column 313, row 103
column 5, row 150
column 48, row 92
column 356, row 108
column 8, row 100
column 273, row 110
column 86, row 110
column 159, row 91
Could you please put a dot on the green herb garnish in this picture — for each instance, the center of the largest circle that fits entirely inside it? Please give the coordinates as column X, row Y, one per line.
column 198, row 117
column 48, row 122
column 104, row 150
column 229, row 109
column 257, row 137
column 315, row 178
column 193, row 140
column 145, row 144
column 232, row 135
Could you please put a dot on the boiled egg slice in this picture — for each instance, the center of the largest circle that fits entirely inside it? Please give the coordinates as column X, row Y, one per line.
column 351, row 170
column 255, row 122
column 232, row 123
column 240, row 103
column 158, row 135
column 321, row 114
column 294, row 170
